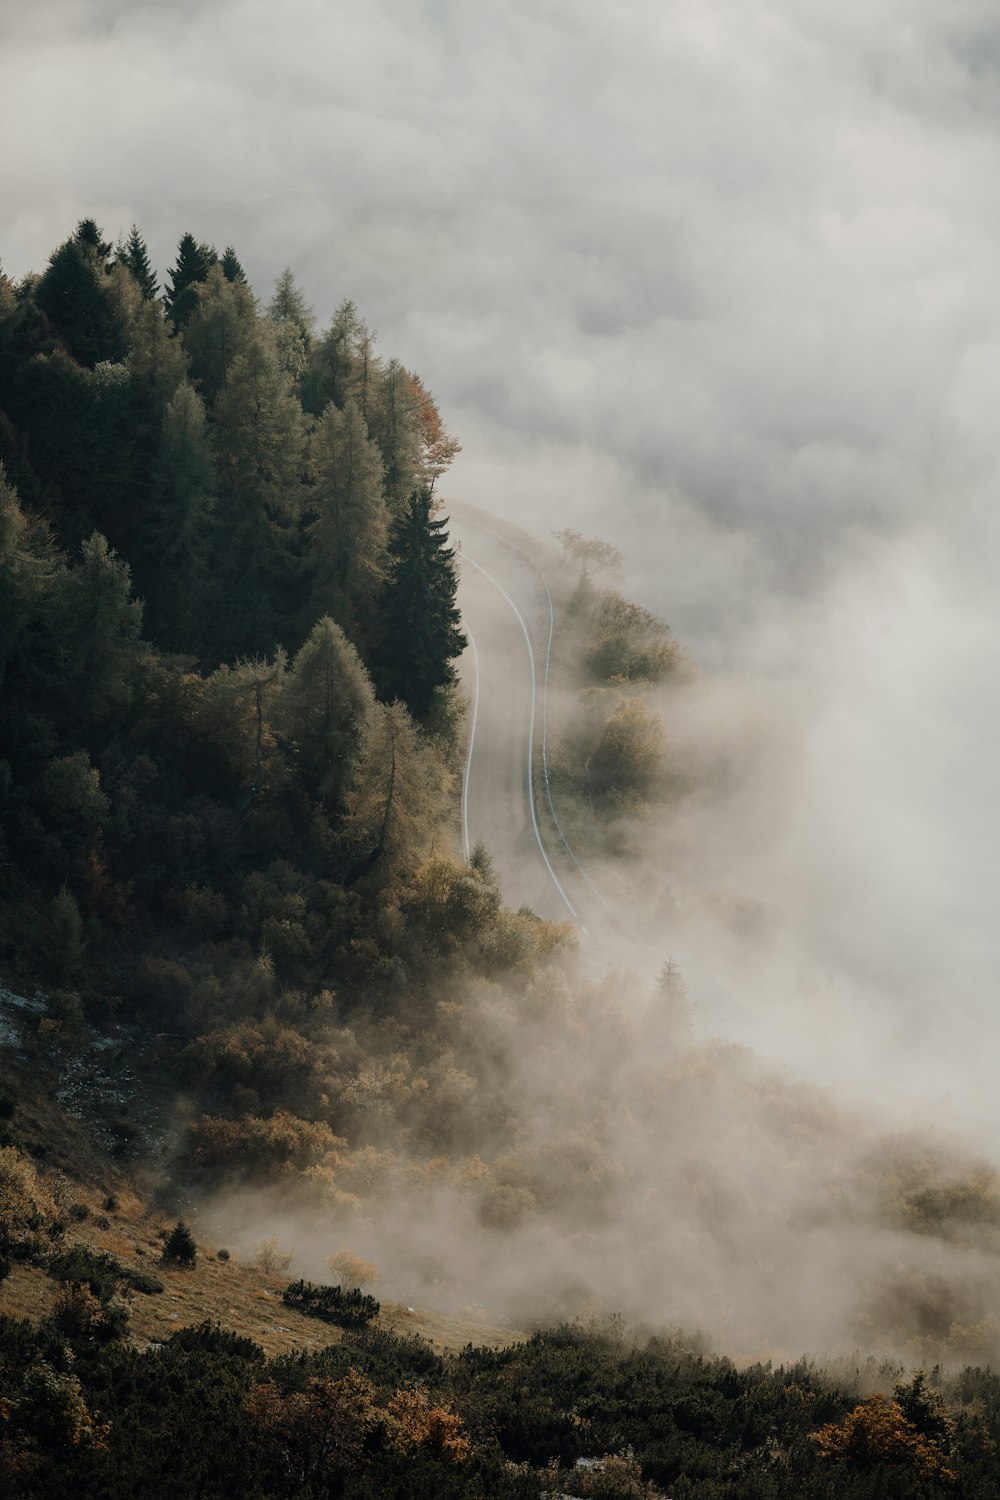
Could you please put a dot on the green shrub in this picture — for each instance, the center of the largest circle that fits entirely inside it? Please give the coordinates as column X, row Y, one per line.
column 351, row 1309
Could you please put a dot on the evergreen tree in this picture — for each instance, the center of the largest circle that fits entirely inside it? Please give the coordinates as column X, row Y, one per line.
column 73, row 295
column 420, row 619
column 219, row 328
column 136, row 257
column 231, row 268
column 325, row 706
column 102, row 633
column 88, row 234
column 194, row 262
column 259, row 434
column 350, row 532
column 180, row 521
column 156, row 359
column 26, row 570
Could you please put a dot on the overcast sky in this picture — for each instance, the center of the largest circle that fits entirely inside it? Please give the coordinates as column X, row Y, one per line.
column 717, row 280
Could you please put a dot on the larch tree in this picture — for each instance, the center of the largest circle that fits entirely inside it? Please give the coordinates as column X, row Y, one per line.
column 420, row 618
column 325, row 706
column 438, row 449
column 259, row 434
column 26, row 572
column 219, row 328
column 102, row 630
column 342, row 364
column 180, row 519
column 348, row 537
column 394, row 423
column 293, row 324
column 397, row 803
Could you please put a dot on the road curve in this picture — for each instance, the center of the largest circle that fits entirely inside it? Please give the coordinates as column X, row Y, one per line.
column 500, row 674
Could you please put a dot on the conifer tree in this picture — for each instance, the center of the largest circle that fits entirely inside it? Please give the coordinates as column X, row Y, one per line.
column 135, row 256
column 194, row 262
column 342, row 364
column 394, row 423
column 88, row 234
column 180, row 520
column 288, row 304
column 420, row 619
column 218, row 329
column 259, row 434
column 398, row 799
column 73, row 295
column 350, row 532
column 102, row 630
column 231, row 268
column 325, row 705
column 156, row 359
column 26, row 572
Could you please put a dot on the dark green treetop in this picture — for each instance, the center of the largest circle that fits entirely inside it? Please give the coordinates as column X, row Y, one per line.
column 420, row 617
column 194, row 262
column 135, row 256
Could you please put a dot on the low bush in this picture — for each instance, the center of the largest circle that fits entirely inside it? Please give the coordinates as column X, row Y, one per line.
column 350, row 1309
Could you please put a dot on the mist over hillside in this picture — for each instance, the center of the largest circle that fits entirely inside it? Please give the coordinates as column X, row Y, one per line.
column 712, row 284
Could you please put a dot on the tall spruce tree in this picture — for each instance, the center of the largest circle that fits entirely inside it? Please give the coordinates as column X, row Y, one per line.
column 194, row 262
column 420, row 619
column 231, row 268
column 135, row 257
column 73, row 295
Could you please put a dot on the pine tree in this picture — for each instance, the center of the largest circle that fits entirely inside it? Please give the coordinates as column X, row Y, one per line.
column 135, row 257
column 350, row 533
column 420, row 619
column 194, row 262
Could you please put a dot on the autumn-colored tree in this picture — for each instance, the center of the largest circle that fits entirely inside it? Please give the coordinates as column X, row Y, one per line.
column 416, row 1423
column 628, row 758
column 876, row 1431
column 319, row 1432
column 438, row 449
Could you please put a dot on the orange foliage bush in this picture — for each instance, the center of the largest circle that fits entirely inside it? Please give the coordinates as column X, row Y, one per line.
column 877, row 1431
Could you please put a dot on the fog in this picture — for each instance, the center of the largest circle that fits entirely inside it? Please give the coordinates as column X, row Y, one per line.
column 716, row 282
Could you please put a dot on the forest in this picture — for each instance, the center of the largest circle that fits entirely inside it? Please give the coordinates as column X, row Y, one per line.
column 231, row 734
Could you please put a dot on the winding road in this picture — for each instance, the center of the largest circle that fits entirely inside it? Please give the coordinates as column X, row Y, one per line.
column 507, row 615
